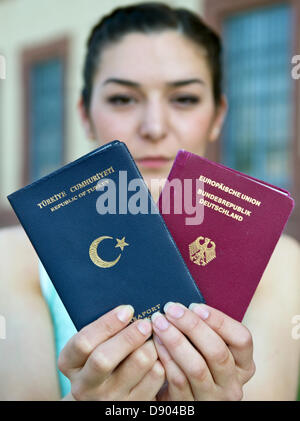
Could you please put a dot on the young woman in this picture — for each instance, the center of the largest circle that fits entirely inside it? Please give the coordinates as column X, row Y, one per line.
column 152, row 78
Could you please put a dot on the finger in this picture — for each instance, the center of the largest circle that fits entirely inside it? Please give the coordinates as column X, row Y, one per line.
column 149, row 386
column 109, row 354
column 184, row 354
column 132, row 370
column 234, row 334
column 80, row 346
column 216, row 353
column 178, row 385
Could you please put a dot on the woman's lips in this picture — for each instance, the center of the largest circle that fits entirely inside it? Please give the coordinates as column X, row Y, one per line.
column 153, row 162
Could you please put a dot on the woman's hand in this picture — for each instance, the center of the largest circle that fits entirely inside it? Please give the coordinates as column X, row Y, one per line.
column 212, row 364
column 108, row 361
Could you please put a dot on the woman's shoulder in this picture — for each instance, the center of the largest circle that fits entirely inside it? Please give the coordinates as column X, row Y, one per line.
column 283, row 270
column 286, row 254
column 19, row 260
column 287, row 245
column 13, row 234
column 270, row 320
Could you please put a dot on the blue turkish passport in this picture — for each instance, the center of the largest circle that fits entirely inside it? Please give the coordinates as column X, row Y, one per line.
column 100, row 236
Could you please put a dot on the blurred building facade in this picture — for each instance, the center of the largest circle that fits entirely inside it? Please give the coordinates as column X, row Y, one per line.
column 261, row 136
column 43, row 44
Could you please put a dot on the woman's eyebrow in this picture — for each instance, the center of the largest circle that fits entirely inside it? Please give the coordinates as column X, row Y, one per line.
column 175, row 83
column 121, row 82
column 186, row 82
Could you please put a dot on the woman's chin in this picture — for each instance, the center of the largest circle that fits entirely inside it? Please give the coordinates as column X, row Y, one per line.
column 156, row 173
column 155, row 184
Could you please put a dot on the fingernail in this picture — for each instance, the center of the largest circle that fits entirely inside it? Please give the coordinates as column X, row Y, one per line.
column 200, row 310
column 174, row 310
column 125, row 313
column 144, row 326
column 159, row 321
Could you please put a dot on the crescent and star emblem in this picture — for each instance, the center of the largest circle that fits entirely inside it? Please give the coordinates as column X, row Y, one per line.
column 96, row 259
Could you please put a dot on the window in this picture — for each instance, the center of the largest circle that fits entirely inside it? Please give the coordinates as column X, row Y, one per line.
column 258, row 129
column 44, row 72
column 46, row 117
column 261, row 135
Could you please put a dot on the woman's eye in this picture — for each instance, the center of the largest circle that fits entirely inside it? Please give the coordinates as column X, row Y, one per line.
column 186, row 100
column 121, row 100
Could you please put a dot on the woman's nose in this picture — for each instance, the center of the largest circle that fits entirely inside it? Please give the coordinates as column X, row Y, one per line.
column 153, row 125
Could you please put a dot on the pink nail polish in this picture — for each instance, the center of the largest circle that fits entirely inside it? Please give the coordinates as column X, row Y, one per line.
column 125, row 313
column 174, row 310
column 159, row 321
column 144, row 326
column 200, row 310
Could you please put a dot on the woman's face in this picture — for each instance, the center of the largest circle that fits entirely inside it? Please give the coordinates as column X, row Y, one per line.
column 154, row 92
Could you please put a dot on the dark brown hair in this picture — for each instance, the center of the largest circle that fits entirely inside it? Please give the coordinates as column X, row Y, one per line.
column 149, row 18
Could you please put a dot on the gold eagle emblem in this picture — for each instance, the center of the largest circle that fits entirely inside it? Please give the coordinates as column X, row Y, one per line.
column 202, row 251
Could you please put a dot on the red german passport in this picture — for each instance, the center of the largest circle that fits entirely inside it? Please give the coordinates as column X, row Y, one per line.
column 226, row 225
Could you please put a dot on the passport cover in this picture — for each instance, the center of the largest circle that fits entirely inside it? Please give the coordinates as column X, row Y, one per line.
column 99, row 261
column 228, row 251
